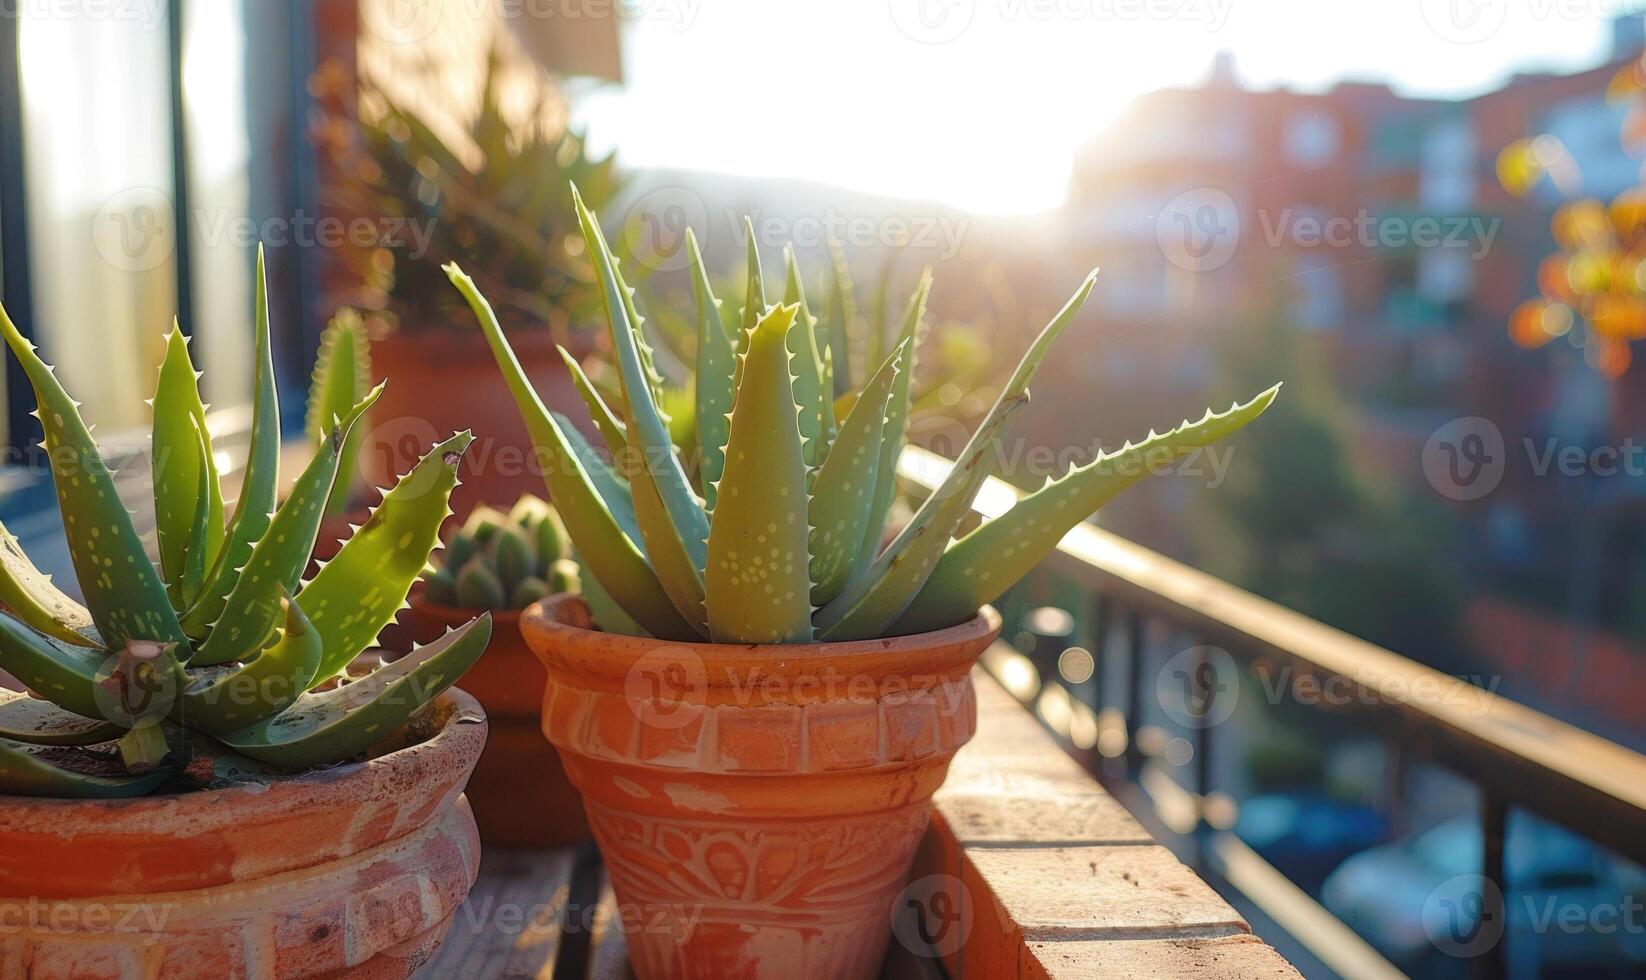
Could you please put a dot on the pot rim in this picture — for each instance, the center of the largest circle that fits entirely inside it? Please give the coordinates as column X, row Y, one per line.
column 560, row 631
column 462, row 733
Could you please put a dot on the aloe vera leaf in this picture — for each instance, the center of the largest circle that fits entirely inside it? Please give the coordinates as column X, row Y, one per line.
column 608, row 551
column 195, row 559
column 278, row 559
column 842, row 319
column 610, row 426
column 342, row 723
column 27, row 770
column 845, row 484
column 39, row 722
column 759, row 578
column 269, row 683
column 28, row 593
column 609, row 616
column 816, row 406
column 342, row 376
column 978, row 568
column 612, row 490
column 672, row 520
column 356, row 594
column 124, row 593
column 873, row 601
column 182, row 454
column 67, row 676
column 754, row 287
column 897, row 418
column 716, row 362
column 258, row 490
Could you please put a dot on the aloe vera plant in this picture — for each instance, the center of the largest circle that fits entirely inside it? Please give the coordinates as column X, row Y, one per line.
column 504, row 561
column 342, row 377
column 222, row 653
column 780, row 540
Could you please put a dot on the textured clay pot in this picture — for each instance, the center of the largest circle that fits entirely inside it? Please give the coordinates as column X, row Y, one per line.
column 352, row 871
column 442, row 381
column 758, row 807
column 519, row 791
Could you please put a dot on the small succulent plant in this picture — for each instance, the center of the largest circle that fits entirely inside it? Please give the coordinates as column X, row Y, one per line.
column 780, row 540
column 504, row 561
column 222, row 659
column 342, row 377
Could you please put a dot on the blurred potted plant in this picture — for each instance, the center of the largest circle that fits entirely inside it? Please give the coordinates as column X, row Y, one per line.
column 764, row 748
column 342, row 376
column 198, row 750
column 489, row 188
column 503, row 563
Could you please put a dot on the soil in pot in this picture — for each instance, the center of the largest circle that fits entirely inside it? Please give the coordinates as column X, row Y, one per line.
column 758, row 807
column 519, row 791
column 356, row 870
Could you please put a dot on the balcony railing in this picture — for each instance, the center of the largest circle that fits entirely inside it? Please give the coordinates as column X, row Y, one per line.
column 1518, row 758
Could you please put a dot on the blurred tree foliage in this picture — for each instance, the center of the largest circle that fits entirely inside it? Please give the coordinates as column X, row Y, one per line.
column 1306, row 521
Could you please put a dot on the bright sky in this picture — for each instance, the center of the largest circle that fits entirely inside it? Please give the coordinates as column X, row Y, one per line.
column 983, row 103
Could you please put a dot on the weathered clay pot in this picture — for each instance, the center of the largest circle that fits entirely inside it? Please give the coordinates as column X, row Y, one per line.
column 758, row 807
column 441, row 381
column 519, row 791
column 352, row 871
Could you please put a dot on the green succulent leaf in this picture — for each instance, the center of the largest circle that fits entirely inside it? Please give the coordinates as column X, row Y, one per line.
column 612, row 490
column 343, row 723
column 759, row 582
column 356, row 594
column 816, row 404
column 842, row 319
column 182, row 456
column 277, row 560
column 258, row 490
column 979, row 567
column 39, row 722
column 844, row 489
column 342, row 377
column 264, row 686
column 873, row 602
column 897, row 418
column 672, row 520
column 553, row 543
column 479, row 587
column 124, row 593
column 607, row 549
column 610, row 426
column 28, row 593
column 529, row 591
column 28, row 770
column 716, row 363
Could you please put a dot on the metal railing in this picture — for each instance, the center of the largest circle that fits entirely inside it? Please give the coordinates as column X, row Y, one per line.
column 1516, row 756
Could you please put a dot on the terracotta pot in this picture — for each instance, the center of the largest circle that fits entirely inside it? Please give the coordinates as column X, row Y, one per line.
column 442, row 381
column 758, row 807
column 519, row 791
column 351, row 871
